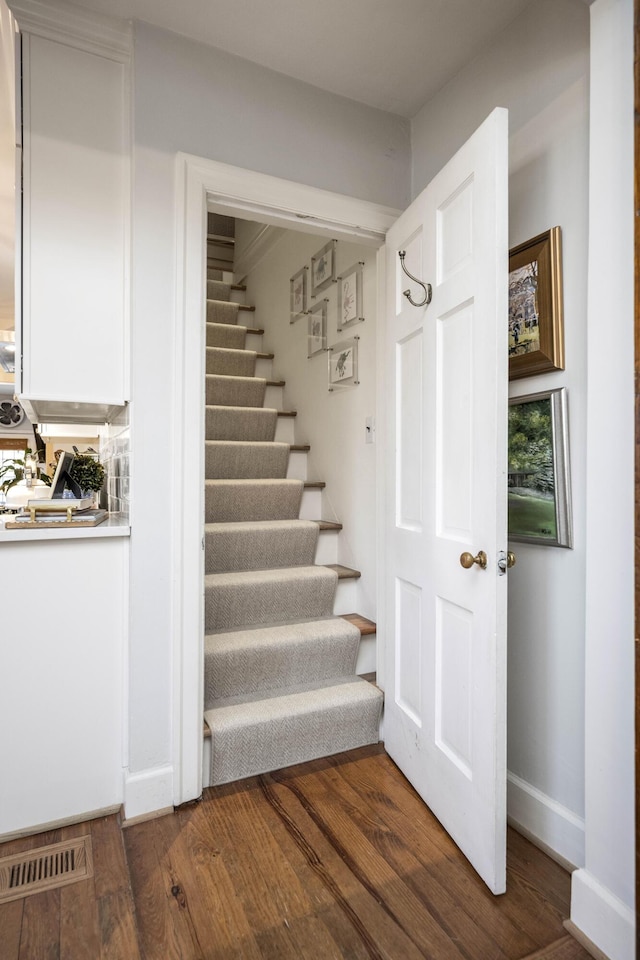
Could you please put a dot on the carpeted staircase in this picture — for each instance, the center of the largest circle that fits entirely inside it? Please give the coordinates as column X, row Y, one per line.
column 280, row 682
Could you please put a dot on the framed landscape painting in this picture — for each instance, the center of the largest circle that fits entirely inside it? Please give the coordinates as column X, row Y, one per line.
column 538, row 491
column 536, row 333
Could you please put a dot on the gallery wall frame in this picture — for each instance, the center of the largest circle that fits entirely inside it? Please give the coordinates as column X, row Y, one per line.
column 323, row 268
column 539, row 477
column 298, row 294
column 342, row 369
column 536, row 327
column 317, row 328
column 350, row 296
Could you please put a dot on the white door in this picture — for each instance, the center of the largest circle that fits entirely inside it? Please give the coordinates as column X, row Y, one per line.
column 446, row 417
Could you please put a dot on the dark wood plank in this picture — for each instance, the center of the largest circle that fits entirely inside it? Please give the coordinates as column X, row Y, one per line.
column 116, row 920
column 164, row 930
column 364, row 817
column 385, row 909
column 636, row 267
column 280, row 910
column 40, row 937
column 79, row 928
column 11, row 928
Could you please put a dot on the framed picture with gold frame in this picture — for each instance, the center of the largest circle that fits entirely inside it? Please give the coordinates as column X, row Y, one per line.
column 536, row 329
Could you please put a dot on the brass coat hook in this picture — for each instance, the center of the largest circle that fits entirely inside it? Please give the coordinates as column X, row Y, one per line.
column 425, row 286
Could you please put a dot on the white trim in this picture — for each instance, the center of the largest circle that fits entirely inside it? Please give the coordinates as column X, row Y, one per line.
column 545, row 820
column 602, row 917
column 202, row 184
column 148, row 791
column 66, row 23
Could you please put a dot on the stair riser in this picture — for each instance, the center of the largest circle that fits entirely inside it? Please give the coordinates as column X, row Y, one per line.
column 297, row 469
column 256, row 748
column 285, row 430
column 327, row 549
column 247, row 392
column 246, row 547
column 264, row 368
column 260, row 671
column 231, row 363
column 254, row 341
column 222, row 505
column 274, row 397
column 259, row 603
column 225, row 460
column 311, row 506
column 227, row 423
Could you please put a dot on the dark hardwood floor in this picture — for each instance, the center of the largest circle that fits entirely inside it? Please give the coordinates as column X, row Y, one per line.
column 333, row 859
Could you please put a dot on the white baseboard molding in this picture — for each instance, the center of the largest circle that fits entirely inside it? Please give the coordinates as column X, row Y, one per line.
column 556, row 829
column 598, row 915
column 58, row 824
column 148, row 791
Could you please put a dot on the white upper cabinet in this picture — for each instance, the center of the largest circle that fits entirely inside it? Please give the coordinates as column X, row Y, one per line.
column 75, row 225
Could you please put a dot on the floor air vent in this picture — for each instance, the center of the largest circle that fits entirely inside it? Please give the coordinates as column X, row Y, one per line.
column 45, row 868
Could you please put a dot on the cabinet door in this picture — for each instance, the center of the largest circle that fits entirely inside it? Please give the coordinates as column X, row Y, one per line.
column 75, row 185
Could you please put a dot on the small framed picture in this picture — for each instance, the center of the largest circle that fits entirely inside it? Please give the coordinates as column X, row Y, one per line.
column 317, row 330
column 536, row 333
column 350, row 296
column 323, row 268
column 343, row 364
column 298, row 295
column 539, row 488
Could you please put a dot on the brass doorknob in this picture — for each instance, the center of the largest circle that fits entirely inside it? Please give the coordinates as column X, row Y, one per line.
column 506, row 561
column 467, row 560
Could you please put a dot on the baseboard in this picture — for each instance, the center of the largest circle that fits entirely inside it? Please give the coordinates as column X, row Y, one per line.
column 58, row 824
column 600, row 917
column 148, row 792
column 554, row 828
column 584, row 941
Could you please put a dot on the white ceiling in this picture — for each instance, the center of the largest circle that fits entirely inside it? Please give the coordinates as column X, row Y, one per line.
column 390, row 54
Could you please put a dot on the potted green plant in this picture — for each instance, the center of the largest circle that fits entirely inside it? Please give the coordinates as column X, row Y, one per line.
column 88, row 472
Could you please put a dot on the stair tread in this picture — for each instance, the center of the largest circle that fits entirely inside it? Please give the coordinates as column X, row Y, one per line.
column 275, row 383
column 364, row 625
column 328, row 524
column 287, row 413
column 300, row 447
column 265, row 356
column 340, row 689
column 280, row 702
column 255, row 331
column 314, row 484
column 344, row 573
column 247, row 307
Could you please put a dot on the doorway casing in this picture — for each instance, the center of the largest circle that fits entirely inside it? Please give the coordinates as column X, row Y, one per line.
column 201, row 186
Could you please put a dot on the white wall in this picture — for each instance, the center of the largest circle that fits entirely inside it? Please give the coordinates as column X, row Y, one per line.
column 538, row 68
column 194, row 99
column 333, row 423
column 603, row 894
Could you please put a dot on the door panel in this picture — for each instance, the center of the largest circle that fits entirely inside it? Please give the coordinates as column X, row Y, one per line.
column 446, row 392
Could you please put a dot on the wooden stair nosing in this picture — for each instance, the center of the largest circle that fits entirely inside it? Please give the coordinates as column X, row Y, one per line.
column 265, row 356
column 344, row 573
column 328, row 524
column 287, row 413
column 365, row 626
column 300, row 447
column 275, row 383
column 314, row 484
